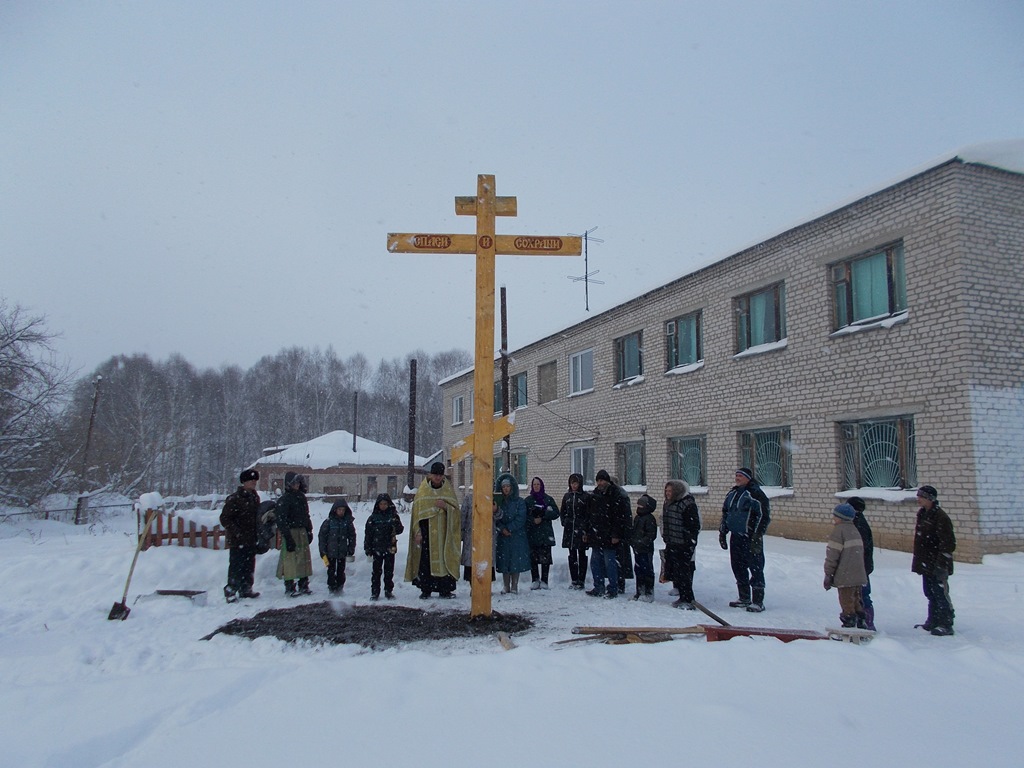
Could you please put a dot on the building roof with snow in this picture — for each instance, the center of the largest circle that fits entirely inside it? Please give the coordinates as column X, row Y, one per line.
column 335, row 450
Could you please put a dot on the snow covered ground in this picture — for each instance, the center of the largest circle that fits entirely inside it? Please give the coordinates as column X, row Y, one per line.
column 79, row 690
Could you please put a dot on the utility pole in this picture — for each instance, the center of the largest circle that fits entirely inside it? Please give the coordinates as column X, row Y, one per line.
column 409, row 476
column 80, row 503
column 506, row 450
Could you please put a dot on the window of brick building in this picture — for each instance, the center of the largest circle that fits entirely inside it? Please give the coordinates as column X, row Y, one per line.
column 683, row 341
column 581, row 372
column 869, row 287
column 517, row 394
column 547, row 382
column 878, row 453
column 629, row 463
column 582, row 463
column 766, row 451
column 760, row 317
column 629, row 356
column 687, row 459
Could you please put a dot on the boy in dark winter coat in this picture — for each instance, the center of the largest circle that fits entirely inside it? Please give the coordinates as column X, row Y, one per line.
column 380, row 541
column 337, row 544
column 645, row 531
column 574, row 529
column 861, row 524
column 844, row 566
column 934, row 544
column 680, row 527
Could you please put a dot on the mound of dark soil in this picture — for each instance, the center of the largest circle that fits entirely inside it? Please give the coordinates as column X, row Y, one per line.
column 372, row 626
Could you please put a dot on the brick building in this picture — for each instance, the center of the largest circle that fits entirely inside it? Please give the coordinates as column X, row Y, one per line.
column 868, row 351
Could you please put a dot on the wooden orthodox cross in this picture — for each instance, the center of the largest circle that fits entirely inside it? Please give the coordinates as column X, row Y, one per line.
column 485, row 244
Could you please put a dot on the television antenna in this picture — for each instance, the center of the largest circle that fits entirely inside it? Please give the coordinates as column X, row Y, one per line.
column 587, row 276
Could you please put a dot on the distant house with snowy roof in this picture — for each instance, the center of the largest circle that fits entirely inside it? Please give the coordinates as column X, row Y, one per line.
column 339, row 466
column 863, row 352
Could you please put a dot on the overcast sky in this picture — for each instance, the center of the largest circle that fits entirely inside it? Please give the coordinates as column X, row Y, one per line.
column 218, row 179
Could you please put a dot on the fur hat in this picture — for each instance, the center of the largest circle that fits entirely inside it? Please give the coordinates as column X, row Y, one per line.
column 602, row 474
column 927, row 492
column 247, row 475
column 844, row 512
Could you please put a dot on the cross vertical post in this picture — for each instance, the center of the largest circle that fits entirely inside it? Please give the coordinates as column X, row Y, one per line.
column 486, row 244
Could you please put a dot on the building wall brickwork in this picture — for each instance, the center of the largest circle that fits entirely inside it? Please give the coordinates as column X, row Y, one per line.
column 953, row 362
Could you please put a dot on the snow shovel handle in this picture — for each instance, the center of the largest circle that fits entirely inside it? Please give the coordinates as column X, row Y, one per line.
column 138, row 548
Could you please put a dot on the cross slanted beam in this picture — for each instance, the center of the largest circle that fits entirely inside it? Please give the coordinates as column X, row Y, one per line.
column 485, row 244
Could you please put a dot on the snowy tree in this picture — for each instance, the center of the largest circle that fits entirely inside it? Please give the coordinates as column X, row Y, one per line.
column 33, row 387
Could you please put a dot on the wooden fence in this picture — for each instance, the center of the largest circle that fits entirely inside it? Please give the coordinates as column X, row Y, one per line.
column 168, row 530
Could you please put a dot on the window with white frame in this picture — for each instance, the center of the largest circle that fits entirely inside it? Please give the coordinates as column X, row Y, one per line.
column 519, row 468
column 878, row 453
column 629, row 356
column 767, row 452
column 629, row 463
column 517, row 391
column 547, row 382
column 868, row 287
column 683, row 341
column 582, row 463
column 687, row 459
column 760, row 317
column 581, row 372
column 457, row 403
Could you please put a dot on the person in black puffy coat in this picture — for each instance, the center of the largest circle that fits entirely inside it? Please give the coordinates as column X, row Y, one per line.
column 574, row 528
column 380, row 542
column 337, row 544
column 680, row 527
column 645, row 531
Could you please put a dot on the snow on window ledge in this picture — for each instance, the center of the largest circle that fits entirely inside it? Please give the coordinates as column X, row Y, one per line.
column 885, row 322
column 892, row 495
column 581, row 392
column 681, row 369
column 760, row 349
column 775, row 491
column 629, row 382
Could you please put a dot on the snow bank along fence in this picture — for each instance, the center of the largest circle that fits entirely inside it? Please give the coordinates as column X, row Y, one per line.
column 169, row 529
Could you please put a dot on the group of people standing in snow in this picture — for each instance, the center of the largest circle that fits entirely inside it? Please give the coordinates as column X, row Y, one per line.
column 598, row 529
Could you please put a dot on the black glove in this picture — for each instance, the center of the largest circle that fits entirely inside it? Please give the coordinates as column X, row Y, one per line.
column 721, row 541
column 289, row 544
column 827, row 584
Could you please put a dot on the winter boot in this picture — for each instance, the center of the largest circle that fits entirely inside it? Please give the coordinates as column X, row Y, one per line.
column 757, row 602
column 535, row 584
column 869, row 618
column 506, row 583
column 942, row 631
column 249, row 594
column 743, row 600
column 304, row 587
column 289, row 588
column 389, row 594
column 862, row 621
column 848, row 619
column 515, row 583
column 229, row 595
